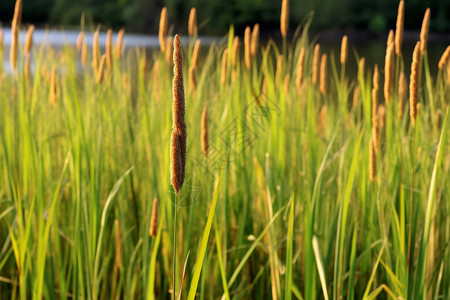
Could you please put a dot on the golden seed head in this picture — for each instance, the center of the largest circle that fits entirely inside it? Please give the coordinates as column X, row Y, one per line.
column 388, row 72
column 300, row 67
column 414, row 83
column 355, row 96
column 323, row 74
column 53, row 87
column 95, row 51
column 235, row 51
column 101, row 68
column 163, row 23
column 284, row 18
column 402, row 94
column 108, row 48
column 361, row 68
column 286, row 81
column 84, row 51
column 168, row 53
column 204, row 131
column 192, row 25
column 376, row 78
column 119, row 43
column 344, row 46
column 445, row 58
column 390, row 39
column 29, row 40
column 255, row 40
column 80, row 40
column 179, row 130
column 382, row 115
column 195, row 54
column 424, row 31
column 316, row 61
column 399, row 27
column 223, row 70
column 247, row 46
column 372, row 161
column 279, row 71
column 154, row 218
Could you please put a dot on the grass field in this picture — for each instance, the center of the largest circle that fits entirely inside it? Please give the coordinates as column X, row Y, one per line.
column 298, row 189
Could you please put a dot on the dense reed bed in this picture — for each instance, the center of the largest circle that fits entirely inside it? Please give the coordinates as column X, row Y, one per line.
column 300, row 180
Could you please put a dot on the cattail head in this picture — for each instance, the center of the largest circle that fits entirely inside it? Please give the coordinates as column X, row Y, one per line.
column 388, row 72
column 179, row 131
column 424, row 31
column 402, row 94
column 399, row 27
column 15, row 27
column 355, row 96
column 284, row 18
column 84, row 51
column 192, row 25
column 372, row 162
column 119, row 43
column 375, row 90
column 53, row 87
column 390, row 39
column 223, row 70
column 118, row 244
column 316, row 61
column 235, row 51
column 323, row 74
column 255, row 40
column 300, row 67
column 344, row 46
column 95, row 51
column 195, row 54
column 279, row 71
column 154, row 218
column 163, row 23
column 204, row 132
column 376, row 78
column 101, row 68
column 80, row 40
column 29, row 40
column 414, row 84
column 445, row 58
column 169, row 43
column 247, row 46
column 108, row 48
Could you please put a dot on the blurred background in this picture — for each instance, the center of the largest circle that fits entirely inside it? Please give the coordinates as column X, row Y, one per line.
column 142, row 16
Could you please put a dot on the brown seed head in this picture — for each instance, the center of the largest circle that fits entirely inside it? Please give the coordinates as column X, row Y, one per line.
column 355, row 96
column 255, row 40
column 344, row 46
column 402, row 94
column 29, row 40
column 195, row 54
column 154, row 218
column 388, row 72
column 119, row 43
column 414, row 84
column 247, row 46
column 192, row 25
column 390, row 39
column 163, row 23
column 372, row 162
column 323, row 74
column 361, row 68
column 235, row 51
column 80, row 40
column 108, row 48
column 382, row 115
column 84, row 51
column 53, row 87
column 101, row 69
column 399, row 28
column 15, row 27
column 95, row 51
column 376, row 78
column 316, row 61
column 169, row 43
column 223, row 70
column 204, row 131
column 179, row 131
column 300, row 67
column 424, row 31
column 445, row 58
column 284, row 18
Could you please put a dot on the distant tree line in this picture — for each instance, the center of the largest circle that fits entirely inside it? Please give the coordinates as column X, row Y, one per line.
column 215, row 15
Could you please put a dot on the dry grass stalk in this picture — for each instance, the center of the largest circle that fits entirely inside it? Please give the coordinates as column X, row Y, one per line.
column 168, row 53
column 247, row 46
column 235, row 51
column 361, row 68
column 179, row 130
column 204, row 131
column 355, row 96
column 101, row 69
column 108, row 48
column 300, row 67
column 344, row 46
column 80, row 40
column 53, row 94
column 284, row 18
column 29, row 40
column 15, row 27
column 372, row 161
column 382, row 115
column 316, row 58
column 399, row 27
column 163, row 23
column 279, row 70
column 255, row 40
column 286, row 81
column 424, row 31
column 154, row 218
column 119, row 43
column 402, row 94
column 118, row 244
column 192, row 25
column 223, row 69
column 95, row 51
column 84, row 52
column 388, row 72
column 195, row 54
column 414, row 83
column 445, row 58
column 323, row 74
